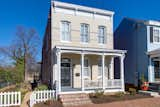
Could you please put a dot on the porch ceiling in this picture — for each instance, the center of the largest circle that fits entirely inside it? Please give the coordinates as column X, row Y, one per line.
column 155, row 53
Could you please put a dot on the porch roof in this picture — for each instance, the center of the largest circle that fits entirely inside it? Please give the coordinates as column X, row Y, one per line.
column 94, row 50
column 154, row 53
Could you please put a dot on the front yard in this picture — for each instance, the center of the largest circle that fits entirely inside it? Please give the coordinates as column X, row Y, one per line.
column 118, row 100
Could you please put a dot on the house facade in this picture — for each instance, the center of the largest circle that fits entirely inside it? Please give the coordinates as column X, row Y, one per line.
column 78, row 53
column 141, row 39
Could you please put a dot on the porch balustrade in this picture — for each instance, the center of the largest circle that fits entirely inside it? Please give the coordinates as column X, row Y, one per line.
column 92, row 84
column 113, row 83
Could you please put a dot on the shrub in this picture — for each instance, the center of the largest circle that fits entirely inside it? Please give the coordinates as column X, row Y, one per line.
column 42, row 87
column 132, row 91
column 97, row 94
column 119, row 94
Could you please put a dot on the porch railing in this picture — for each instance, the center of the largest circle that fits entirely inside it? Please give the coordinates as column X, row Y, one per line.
column 113, row 83
column 92, row 84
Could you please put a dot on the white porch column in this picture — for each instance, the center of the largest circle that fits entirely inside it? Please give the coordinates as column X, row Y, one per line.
column 122, row 71
column 103, row 72
column 150, row 71
column 82, row 71
column 59, row 69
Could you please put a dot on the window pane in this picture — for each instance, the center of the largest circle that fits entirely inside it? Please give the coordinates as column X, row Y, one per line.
column 65, row 31
column 84, row 33
column 101, row 35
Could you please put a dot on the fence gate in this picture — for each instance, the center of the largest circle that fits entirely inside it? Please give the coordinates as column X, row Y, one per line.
column 41, row 96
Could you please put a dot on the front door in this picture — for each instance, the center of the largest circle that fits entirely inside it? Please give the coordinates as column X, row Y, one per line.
column 65, row 72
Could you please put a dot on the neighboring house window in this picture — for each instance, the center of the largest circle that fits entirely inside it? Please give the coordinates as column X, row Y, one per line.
column 87, row 72
column 65, row 31
column 99, row 67
column 101, row 34
column 84, row 33
column 156, row 35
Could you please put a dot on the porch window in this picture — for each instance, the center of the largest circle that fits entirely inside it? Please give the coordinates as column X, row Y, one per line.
column 101, row 34
column 156, row 35
column 65, row 31
column 84, row 33
column 99, row 67
column 87, row 72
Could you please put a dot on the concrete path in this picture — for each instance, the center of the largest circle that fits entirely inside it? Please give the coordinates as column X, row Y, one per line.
column 25, row 101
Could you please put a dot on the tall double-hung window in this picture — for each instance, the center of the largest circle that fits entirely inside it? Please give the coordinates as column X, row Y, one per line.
column 156, row 34
column 101, row 34
column 65, row 31
column 84, row 33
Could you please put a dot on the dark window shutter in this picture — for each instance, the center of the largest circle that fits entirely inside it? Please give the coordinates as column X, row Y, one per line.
column 151, row 34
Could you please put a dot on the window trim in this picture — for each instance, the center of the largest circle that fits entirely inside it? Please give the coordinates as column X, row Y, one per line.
column 88, row 33
column 66, row 41
column 98, row 35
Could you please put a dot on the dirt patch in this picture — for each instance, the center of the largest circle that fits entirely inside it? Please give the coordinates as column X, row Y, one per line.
column 113, row 98
column 49, row 104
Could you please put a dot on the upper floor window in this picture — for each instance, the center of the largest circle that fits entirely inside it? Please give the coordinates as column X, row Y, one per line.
column 155, row 34
column 84, row 33
column 65, row 31
column 101, row 34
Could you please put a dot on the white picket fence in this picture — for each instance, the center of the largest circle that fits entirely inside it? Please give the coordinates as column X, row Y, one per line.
column 41, row 96
column 10, row 99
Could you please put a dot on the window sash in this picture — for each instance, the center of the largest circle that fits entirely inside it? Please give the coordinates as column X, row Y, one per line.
column 84, row 33
column 65, row 31
column 101, row 34
column 156, row 35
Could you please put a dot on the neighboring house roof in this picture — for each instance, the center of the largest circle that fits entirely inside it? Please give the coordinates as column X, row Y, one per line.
column 145, row 22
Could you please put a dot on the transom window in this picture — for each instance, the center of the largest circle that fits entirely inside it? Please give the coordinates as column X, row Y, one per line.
column 101, row 34
column 84, row 33
column 156, row 34
column 65, row 31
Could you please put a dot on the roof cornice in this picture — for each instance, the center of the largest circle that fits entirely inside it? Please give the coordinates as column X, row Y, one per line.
column 82, row 8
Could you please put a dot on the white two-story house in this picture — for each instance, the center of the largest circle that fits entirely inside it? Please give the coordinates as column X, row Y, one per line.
column 78, row 53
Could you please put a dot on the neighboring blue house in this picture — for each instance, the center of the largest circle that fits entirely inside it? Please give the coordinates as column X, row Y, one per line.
column 141, row 39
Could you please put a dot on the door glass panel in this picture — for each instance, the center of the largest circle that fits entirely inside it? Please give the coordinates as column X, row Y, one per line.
column 65, row 72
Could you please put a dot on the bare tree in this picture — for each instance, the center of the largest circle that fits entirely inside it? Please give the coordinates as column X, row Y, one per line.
column 25, row 46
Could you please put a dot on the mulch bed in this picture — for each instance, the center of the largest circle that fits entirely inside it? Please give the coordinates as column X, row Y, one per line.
column 113, row 98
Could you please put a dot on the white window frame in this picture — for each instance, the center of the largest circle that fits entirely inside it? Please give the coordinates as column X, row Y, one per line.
column 102, row 36
column 84, row 34
column 155, row 36
column 69, row 31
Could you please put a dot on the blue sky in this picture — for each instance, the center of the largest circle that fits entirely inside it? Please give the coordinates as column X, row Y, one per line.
column 34, row 13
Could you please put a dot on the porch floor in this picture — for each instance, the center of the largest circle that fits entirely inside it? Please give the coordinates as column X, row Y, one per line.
column 66, row 89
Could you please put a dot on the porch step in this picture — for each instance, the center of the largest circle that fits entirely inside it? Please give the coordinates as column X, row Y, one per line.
column 154, row 87
column 74, row 99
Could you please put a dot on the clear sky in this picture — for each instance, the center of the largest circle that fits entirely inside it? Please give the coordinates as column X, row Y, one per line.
column 34, row 13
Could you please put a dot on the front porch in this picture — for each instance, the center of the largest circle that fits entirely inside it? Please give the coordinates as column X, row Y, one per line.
column 154, row 66
column 84, row 70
